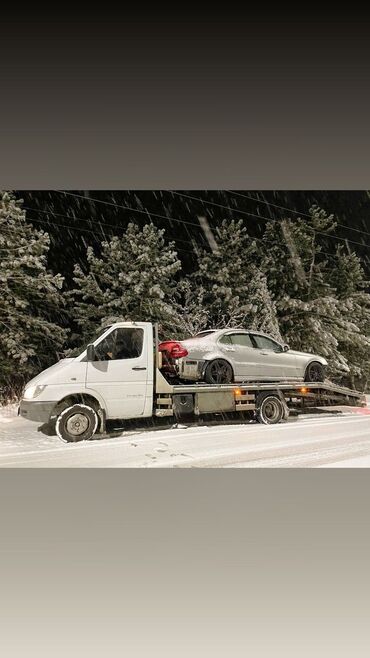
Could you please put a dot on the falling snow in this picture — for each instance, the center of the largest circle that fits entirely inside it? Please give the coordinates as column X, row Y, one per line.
column 294, row 264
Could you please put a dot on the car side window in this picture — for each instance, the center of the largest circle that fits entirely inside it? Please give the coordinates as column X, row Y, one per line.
column 264, row 343
column 121, row 343
column 242, row 340
column 225, row 340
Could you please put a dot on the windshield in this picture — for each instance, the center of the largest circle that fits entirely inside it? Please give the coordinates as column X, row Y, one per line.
column 78, row 350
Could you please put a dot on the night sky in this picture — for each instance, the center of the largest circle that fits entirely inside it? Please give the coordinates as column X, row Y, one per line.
column 76, row 219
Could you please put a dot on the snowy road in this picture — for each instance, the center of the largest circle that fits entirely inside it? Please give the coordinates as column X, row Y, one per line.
column 305, row 442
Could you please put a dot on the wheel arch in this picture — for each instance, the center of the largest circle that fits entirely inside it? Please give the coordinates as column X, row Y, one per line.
column 79, row 397
column 315, row 360
column 217, row 357
column 312, row 361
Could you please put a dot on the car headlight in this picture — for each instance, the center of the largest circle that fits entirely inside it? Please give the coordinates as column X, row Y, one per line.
column 33, row 391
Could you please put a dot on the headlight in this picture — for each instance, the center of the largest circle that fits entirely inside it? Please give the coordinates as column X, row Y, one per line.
column 33, row 391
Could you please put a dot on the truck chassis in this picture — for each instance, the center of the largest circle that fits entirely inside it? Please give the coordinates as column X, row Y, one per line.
column 268, row 402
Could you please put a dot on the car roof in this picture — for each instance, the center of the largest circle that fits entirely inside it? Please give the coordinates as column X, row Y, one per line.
column 230, row 330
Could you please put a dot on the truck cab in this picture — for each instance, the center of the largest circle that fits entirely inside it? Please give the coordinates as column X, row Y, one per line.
column 113, row 375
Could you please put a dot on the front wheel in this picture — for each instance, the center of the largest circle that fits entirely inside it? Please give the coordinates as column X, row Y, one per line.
column 218, row 372
column 76, row 423
column 315, row 372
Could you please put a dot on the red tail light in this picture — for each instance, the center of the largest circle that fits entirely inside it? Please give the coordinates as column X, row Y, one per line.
column 174, row 349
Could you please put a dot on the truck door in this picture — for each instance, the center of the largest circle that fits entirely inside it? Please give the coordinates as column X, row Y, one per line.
column 120, row 372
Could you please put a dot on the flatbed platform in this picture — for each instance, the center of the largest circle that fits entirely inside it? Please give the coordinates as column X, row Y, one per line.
column 200, row 398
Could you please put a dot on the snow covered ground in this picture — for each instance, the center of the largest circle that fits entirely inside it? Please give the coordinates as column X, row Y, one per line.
column 309, row 441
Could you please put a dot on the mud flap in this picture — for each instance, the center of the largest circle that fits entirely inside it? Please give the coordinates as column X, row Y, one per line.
column 285, row 406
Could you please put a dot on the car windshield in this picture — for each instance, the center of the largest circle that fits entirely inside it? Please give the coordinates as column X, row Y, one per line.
column 202, row 334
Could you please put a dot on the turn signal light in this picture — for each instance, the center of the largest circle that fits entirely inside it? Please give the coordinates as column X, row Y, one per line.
column 304, row 389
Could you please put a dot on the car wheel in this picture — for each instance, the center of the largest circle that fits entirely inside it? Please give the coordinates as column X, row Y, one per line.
column 218, row 372
column 315, row 372
column 76, row 423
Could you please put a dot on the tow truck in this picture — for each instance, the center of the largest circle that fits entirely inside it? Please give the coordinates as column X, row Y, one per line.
column 78, row 396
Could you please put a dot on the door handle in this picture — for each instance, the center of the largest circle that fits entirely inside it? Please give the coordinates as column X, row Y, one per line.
column 265, row 353
column 229, row 349
column 138, row 368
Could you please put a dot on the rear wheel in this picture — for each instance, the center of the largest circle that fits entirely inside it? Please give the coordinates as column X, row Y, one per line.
column 76, row 423
column 315, row 372
column 269, row 409
column 218, row 372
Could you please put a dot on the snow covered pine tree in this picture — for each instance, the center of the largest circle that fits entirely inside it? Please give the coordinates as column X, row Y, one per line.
column 231, row 286
column 322, row 307
column 134, row 278
column 353, row 330
column 30, row 300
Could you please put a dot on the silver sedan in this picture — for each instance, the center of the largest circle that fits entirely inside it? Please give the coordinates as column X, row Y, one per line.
column 238, row 355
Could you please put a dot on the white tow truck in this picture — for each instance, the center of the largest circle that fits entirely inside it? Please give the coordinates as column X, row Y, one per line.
column 119, row 376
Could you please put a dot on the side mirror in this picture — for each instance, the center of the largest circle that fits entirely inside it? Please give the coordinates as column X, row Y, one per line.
column 285, row 348
column 90, row 352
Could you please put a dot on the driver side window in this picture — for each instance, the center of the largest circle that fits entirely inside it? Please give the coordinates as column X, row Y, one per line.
column 121, row 343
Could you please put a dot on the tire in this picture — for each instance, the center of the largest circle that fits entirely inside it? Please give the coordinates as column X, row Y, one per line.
column 315, row 372
column 76, row 423
column 218, row 372
column 269, row 409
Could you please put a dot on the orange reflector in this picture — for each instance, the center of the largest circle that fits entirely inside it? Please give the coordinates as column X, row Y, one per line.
column 237, row 391
column 304, row 389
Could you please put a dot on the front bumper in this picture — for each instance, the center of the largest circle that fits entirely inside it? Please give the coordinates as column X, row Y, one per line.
column 36, row 411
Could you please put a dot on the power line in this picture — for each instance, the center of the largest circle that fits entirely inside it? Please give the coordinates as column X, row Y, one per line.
column 297, row 212
column 124, row 207
column 83, row 230
column 76, row 228
column 90, row 221
column 182, row 221
column 267, row 219
column 148, row 213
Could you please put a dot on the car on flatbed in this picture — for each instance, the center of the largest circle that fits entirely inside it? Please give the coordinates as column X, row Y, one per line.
column 223, row 356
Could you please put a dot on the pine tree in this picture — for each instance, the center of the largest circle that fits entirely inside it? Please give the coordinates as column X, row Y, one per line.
column 194, row 312
column 30, row 299
column 315, row 294
column 353, row 333
column 231, row 286
column 264, row 316
column 134, row 278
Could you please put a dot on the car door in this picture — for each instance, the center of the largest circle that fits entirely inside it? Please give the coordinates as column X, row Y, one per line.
column 273, row 362
column 238, row 348
column 119, row 373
